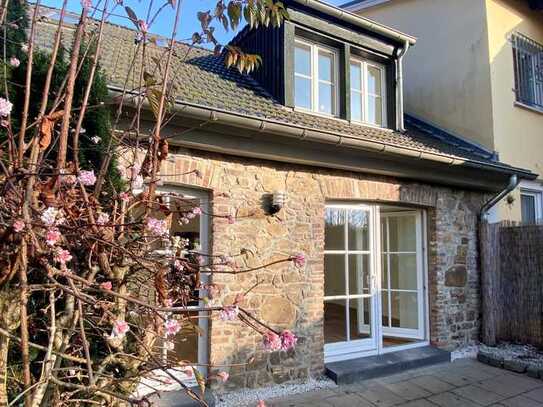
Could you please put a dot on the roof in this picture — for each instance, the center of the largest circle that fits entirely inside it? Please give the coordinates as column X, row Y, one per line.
column 201, row 79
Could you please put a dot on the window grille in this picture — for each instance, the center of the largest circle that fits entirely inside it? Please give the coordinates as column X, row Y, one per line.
column 528, row 60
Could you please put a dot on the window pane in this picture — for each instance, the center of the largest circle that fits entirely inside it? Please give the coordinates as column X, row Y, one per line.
column 326, row 63
column 384, row 271
column 403, row 234
column 384, row 307
column 374, row 81
column 326, row 98
column 356, row 76
column 375, row 110
column 302, row 60
column 334, row 229
column 335, row 326
column 302, row 92
column 405, row 310
column 528, row 208
column 360, row 318
column 356, row 106
column 403, row 271
column 334, row 275
column 359, row 274
column 358, row 230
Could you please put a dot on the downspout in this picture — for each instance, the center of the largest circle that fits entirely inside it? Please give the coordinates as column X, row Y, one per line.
column 399, row 87
column 513, row 183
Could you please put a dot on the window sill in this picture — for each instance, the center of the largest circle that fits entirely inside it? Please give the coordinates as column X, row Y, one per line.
column 340, row 119
column 528, row 107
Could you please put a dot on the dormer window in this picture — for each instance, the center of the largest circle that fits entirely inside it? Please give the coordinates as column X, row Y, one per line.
column 315, row 78
column 367, row 92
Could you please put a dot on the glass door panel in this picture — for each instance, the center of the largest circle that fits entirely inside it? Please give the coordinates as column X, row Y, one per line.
column 349, row 279
column 401, row 280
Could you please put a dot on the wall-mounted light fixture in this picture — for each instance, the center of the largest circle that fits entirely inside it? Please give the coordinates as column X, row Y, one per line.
column 278, row 199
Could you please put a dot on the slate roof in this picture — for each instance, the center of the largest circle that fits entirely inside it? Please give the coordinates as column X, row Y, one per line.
column 201, row 78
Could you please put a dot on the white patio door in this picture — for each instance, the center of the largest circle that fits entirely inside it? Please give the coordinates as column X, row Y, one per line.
column 351, row 264
column 402, row 282
column 374, row 295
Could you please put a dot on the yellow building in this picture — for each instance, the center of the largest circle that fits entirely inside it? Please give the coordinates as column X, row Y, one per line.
column 477, row 72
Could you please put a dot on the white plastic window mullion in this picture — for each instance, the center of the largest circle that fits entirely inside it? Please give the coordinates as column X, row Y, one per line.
column 389, row 295
column 346, row 270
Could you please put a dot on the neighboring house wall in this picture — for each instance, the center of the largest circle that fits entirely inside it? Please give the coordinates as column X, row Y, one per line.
column 460, row 77
column 447, row 77
column 288, row 297
column 518, row 132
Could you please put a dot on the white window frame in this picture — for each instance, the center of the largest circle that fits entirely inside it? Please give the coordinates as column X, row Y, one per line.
column 538, row 202
column 364, row 64
column 315, row 49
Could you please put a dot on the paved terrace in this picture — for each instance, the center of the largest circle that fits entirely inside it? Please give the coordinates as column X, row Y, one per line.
column 464, row 383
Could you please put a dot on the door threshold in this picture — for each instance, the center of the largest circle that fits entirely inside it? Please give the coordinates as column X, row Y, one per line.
column 363, row 368
column 338, row 357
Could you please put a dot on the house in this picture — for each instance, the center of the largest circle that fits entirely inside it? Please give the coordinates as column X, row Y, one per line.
column 386, row 217
column 482, row 79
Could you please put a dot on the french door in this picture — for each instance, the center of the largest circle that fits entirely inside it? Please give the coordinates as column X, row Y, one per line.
column 374, row 294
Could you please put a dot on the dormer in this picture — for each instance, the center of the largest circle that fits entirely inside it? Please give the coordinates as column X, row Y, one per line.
column 329, row 62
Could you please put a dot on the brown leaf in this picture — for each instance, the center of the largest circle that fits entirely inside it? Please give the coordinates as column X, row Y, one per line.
column 46, row 128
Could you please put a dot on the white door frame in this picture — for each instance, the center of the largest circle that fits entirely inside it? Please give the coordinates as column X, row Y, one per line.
column 205, row 243
column 374, row 345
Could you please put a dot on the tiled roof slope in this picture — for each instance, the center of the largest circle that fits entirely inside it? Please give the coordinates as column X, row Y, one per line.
column 201, row 78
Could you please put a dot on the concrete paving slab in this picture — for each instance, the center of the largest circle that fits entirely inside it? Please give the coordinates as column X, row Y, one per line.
column 449, row 399
column 432, row 384
column 536, row 394
column 521, row 401
column 478, row 395
column 407, row 390
column 510, row 385
column 382, row 397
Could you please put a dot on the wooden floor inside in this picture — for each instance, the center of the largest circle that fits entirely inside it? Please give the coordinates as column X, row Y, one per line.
column 335, row 329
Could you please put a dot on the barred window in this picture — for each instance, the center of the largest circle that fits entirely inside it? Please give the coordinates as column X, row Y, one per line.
column 528, row 60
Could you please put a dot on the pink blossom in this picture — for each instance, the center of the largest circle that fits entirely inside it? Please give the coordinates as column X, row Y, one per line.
column 223, row 376
column 52, row 236
column 172, row 327
column 188, row 371
column 87, row 178
column 52, row 216
column 212, row 291
column 288, row 340
column 142, row 25
column 62, row 256
column 231, row 219
column 201, row 260
column 298, row 259
column 103, row 218
column 120, row 328
column 106, row 285
column 14, row 62
column 137, row 182
column 86, row 4
column 18, row 225
column 272, row 341
column 229, row 313
column 5, row 107
column 261, row 403
column 95, row 139
column 68, row 179
column 197, row 210
column 178, row 265
column 198, row 173
column 157, row 227
column 125, row 196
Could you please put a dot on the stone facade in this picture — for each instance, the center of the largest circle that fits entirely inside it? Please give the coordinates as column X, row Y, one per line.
column 287, row 297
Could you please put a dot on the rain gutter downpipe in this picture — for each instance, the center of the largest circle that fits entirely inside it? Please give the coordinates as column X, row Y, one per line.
column 513, row 183
column 399, row 87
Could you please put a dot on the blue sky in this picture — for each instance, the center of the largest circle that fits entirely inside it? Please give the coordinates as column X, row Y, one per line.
column 189, row 22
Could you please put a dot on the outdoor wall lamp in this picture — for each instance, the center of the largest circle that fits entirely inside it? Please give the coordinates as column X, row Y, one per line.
column 278, row 199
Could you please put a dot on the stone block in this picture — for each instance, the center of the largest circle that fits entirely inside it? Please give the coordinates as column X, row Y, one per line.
column 535, row 371
column 456, row 276
column 514, row 365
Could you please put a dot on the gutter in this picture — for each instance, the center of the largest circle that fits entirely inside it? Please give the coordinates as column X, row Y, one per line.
column 513, row 183
column 399, row 87
column 358, row 21
column 258, row 124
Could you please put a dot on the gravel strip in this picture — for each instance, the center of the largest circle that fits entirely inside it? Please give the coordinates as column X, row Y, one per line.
column 250, row 397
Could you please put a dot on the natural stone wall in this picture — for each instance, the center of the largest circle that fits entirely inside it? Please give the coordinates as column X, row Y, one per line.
column 288, row 297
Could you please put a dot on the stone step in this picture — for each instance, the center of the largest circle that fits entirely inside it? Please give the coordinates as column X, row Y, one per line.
column 181, row 399
column 353, row 370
